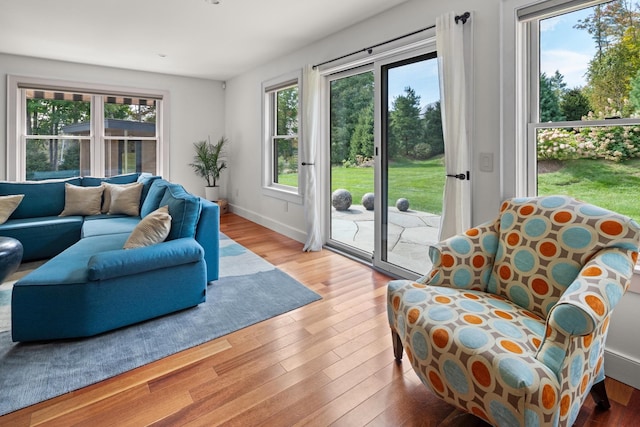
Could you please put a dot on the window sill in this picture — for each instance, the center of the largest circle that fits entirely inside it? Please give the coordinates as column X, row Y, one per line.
column 283, row 194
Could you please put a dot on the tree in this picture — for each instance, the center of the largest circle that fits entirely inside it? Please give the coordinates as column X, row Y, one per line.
column 615, row 28
column 71, row 157
column 36, row 159
column 287, row 111
column 433, row 129
column 362, row 139
column 634, row 95
column 596, row 25
column 49, row 117
column 349, row 97
column 574, row 105
column 132, row 112
column 549, row 100
column 610, row 75
column 405, row 127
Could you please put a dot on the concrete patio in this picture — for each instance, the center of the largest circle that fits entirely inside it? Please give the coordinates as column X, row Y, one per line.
column 410, row 234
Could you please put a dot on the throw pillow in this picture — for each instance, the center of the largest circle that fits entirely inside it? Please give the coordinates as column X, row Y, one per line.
column 82, row 200
column 125, row 199
column 184, row 209
column 106, row 196
column 154, row 228
column 8, row 204
column 153, row 197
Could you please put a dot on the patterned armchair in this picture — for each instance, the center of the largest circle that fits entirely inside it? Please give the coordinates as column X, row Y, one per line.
column 510, row 324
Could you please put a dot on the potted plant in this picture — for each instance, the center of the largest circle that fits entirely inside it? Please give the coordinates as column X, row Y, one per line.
column 208, row 165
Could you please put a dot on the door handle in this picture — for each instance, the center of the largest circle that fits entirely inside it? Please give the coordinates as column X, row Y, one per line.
column 460, row 176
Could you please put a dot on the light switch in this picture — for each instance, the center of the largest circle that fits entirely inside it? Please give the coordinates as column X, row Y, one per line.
column 486, row 162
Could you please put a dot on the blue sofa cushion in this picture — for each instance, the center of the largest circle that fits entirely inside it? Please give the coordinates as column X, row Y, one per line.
column 108, row 224
column 43, row 237
column 120, row 262
column 184, row 209
column 91, row 181
column 70, row 266
column 153, row 197
column 41, row 198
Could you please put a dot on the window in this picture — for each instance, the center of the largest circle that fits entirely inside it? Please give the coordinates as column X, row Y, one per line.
column 281, row 143
column 583, row 108
column 61, row 129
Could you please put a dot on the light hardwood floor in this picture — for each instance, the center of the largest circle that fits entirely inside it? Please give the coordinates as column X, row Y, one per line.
column 328, row 363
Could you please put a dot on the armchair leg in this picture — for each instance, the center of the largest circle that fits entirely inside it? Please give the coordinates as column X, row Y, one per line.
column 599, row 394
column 397, row 346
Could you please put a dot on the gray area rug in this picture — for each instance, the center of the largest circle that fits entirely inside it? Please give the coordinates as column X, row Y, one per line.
column 249, row 290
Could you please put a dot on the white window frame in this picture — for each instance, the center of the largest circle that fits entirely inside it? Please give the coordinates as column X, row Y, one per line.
column 528, row 31
column 16, row 121
column 269, row 187
column 525, row 82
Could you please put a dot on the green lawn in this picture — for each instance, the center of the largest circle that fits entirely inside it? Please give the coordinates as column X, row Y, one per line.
column 421, row 182
column 604, row 183
column 614, row 186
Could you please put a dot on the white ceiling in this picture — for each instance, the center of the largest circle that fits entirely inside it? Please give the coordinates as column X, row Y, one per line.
column 198, row 39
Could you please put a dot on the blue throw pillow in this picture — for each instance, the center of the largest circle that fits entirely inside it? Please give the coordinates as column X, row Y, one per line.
column 153, row 197
column 184, row 209
column 146, row 179
column 41, row 198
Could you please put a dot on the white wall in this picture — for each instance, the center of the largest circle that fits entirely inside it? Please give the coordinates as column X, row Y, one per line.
column 196, row 107
column 243, row 106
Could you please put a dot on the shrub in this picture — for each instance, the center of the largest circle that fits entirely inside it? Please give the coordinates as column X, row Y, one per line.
column 422, row 151
column 616, row 143
column 557, row 144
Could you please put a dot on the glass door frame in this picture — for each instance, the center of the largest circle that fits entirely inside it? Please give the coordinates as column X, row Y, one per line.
column 375, row 62
column 342, row 247
column 380, row 185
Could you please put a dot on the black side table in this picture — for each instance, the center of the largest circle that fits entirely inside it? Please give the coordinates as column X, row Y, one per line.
column 10, row 256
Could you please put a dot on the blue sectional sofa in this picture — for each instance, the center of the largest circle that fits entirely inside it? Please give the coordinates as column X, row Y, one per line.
column 91, row 284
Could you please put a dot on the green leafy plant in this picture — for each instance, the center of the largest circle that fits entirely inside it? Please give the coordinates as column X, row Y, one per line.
column 207, row 163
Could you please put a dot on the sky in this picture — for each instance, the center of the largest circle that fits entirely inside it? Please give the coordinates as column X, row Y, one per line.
column 565, row 48
column 562, row 48
column 421, row 76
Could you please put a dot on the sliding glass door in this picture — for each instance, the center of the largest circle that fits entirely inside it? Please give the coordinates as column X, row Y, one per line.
column 411, row 168
column 386, row 162
column 351, row 99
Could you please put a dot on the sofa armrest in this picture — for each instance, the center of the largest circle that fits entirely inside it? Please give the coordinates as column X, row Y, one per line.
column 125, row 262
column 464, row 261
column 208, row 235
column 587, row 303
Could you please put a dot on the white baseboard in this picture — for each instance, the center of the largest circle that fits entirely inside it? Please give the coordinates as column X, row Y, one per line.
column 293, row 233
column 622, row 368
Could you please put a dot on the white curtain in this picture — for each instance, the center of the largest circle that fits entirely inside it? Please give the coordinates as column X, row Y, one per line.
column 456, row 209
column 310, row 141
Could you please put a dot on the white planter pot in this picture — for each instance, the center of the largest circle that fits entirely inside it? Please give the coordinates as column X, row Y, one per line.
column 212, row 193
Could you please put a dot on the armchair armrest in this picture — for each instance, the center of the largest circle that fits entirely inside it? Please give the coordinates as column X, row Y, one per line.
column 464, row 261
column 125, row 262
column 587, row 303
